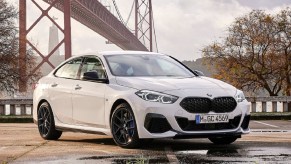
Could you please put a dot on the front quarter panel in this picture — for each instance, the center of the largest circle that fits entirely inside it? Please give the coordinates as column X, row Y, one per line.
column 40, row 93
column 113, row 93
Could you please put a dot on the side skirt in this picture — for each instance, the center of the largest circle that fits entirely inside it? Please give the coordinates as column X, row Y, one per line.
column 67, row 129
column 84, row 129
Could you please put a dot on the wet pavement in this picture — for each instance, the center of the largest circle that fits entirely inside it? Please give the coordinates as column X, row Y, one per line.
column 269, row 142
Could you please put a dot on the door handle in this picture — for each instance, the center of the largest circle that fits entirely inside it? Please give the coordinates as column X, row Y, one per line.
column 54, row 85
column 77, row 87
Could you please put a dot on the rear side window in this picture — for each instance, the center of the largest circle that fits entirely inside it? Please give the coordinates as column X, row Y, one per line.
column 70, row 69
column 93, row 64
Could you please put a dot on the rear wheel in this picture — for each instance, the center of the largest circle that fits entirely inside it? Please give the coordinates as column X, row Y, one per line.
column 46, row 123
column 223, row 140
column 123, row 127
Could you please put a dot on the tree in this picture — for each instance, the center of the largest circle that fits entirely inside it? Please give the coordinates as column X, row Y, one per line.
column 256, row 54
column 9, row 67
column 283, row 46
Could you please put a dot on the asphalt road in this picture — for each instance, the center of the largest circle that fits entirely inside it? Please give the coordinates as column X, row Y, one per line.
column 269, row 142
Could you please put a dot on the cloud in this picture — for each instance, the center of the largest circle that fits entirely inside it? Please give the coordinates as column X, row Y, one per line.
column 264, row 4
column 183, row 27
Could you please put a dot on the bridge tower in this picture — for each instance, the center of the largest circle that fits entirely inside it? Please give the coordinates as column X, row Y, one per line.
column 95, row 16
column 144, row 22
column 23, row 32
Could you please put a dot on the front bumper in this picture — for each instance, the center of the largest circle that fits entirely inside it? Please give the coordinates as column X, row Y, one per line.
column 158, row 124
column 155, row 120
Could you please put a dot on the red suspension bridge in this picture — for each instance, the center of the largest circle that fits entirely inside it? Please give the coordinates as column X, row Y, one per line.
column 94, row 15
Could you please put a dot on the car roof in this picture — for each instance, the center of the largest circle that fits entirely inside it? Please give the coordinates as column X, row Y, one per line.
column 128, row 52
column 105, row 53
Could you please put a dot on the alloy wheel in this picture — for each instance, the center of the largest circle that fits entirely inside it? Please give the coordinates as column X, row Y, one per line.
column 44, row 121
column 123, row 126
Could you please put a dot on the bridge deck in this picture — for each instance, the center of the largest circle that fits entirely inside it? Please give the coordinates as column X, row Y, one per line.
column 95, row 16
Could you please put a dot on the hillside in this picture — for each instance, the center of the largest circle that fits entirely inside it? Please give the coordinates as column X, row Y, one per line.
column 197, row 65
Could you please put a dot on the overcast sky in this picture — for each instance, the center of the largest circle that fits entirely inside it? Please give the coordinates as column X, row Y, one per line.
column 183, row 27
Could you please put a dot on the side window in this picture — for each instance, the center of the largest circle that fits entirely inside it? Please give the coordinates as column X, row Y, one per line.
column 93, row 64
column 70, row 69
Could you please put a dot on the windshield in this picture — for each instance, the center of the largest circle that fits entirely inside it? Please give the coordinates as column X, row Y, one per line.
column 146, row 65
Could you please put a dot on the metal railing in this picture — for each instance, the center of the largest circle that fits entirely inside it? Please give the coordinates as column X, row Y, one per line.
column 275, row 102
column 20, row 107
column 24, row 107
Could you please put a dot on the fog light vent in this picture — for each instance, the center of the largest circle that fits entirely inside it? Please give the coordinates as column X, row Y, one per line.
column 156, row 123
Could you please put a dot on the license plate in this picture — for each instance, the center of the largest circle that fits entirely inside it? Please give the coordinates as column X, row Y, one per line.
column 211, row 118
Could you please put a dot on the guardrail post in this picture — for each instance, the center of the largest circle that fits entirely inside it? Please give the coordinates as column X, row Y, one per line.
column 12, row 109
column 274, row 106
column 22, row 109
column 254, row 106
column 285, row 106
column 264, row 106
column 2, row 109
column 31, row 106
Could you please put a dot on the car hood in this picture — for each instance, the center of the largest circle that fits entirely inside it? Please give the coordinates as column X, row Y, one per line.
column 164, row 84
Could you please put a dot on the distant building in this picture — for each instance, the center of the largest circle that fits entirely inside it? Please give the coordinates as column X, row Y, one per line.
column 56, row 57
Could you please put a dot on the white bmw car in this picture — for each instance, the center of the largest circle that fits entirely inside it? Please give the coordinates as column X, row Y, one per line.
column 134, row 96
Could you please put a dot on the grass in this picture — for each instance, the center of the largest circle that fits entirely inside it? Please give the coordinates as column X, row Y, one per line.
column 271, row 116
column 15, row 119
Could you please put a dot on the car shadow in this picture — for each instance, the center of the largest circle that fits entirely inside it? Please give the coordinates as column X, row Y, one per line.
column 157, row 151
column 101, row 141
column 187, row 144
column 161, row 144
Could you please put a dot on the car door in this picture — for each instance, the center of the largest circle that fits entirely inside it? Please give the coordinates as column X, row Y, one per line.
column 60, row 90
column 88, row 96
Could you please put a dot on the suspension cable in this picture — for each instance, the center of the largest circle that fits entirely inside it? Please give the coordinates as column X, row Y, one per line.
column 117, row 10
column 132, row 6
column 155, row 32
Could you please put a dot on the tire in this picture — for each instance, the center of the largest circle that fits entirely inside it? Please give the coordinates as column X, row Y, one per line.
column 46, row 123
column 223, row 140
column 123, row 127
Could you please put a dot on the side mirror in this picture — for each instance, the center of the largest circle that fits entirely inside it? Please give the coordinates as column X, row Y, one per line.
column 93, row 76
column 199, row 73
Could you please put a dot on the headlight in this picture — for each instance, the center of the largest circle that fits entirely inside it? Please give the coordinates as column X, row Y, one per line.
column 239, row 96
column 156, row 97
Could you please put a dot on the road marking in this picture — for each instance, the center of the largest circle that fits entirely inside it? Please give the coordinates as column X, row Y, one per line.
column 171, row 155
column 274, row 126
column 270, row 131
column 199, row 152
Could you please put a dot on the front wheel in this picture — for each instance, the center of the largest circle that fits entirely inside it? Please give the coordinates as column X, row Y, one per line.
column 46, row 123
column 123, row 127
column 223, row 140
